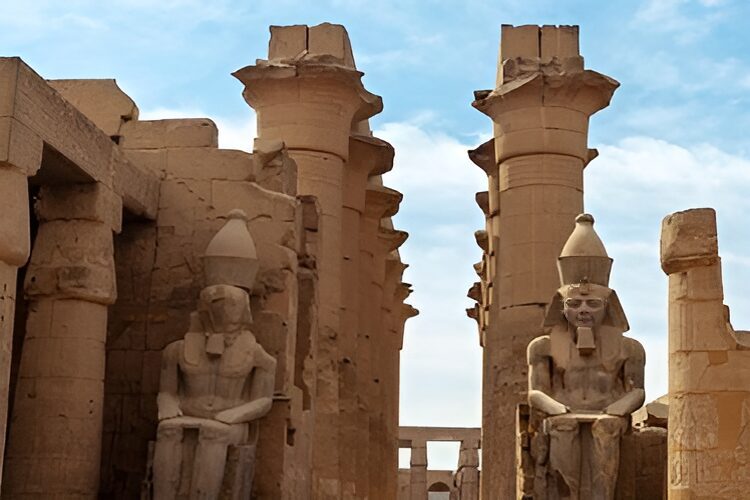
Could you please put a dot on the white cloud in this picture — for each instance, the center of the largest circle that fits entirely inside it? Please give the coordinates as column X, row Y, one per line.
column 673, row 16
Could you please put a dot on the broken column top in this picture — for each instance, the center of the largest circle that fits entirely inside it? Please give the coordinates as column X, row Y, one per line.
column 325, row 43
column 545, row 42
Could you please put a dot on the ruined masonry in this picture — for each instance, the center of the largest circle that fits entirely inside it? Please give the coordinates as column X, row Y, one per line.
column 105, row 261
column 180, row 321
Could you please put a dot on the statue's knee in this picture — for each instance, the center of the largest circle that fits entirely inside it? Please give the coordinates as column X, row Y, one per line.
column 167, row 431
column 560, row 426
column 608, row 427
column 215, row 432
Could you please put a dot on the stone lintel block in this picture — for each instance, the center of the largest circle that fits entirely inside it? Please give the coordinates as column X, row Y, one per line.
column 558, row 41
column 172, row 133
column 209, row 163
column 689, row 239
column 519, row 41
column 20, row 147
column 73, row 259
column 484, row 157
column 92, row 202
column 101, row 100
column 330, row 40
column 15, row 243
column 327, row 42
column 381, row 201
column 287, row 42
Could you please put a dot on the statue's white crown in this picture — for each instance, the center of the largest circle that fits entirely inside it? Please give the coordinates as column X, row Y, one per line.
column 231, row 257
column 584, row 258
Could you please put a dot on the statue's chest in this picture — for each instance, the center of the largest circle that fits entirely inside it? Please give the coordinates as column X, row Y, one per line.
column 218, row 366
column 590, row 373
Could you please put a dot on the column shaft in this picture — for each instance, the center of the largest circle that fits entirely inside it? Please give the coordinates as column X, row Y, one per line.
column 418, row 471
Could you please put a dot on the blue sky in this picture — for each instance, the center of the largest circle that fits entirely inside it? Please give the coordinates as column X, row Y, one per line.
column 674, row 137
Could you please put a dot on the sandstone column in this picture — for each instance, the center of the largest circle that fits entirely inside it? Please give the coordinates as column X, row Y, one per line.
column 540, row 110
column 308, row 93
column 56, row 427
column 709, row 379
column 467, row 473
column 367, row 156
column 379, row 202
column 14, row 250
column 418, row 472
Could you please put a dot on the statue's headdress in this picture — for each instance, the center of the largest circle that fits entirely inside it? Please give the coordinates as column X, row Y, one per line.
column 231, row 257
column 585, row 266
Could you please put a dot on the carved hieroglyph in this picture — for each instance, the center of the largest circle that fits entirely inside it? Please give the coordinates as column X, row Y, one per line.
column 217, row 381
column 585, row 377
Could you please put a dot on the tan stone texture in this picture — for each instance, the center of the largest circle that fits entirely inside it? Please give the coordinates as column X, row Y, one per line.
column 709, row 399
column 540, row 110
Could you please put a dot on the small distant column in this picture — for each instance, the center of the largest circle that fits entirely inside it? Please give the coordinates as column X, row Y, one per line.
column 467, row 473
column 307, row 94
column 55, row 437
column 540, row 110
column 709, row 381
column 418, row 470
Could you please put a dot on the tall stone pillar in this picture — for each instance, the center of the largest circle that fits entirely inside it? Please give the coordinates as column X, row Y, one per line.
column 540, row 110
column 308, row 93
column 376, row 243
column 367, row 156
column 467, row 473
column 56, row 427
column 14, row 251
column 418, row 471
column 709, row 381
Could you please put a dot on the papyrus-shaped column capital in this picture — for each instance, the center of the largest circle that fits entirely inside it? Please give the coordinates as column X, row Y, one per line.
column 308, row 92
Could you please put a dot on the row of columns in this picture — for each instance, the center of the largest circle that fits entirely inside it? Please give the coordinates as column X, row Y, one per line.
column 309, row 94
column 56, row 426
column 540, row 110
column 466, row 478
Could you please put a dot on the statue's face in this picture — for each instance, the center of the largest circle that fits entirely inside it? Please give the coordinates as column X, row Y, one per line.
column 228, row 309
column 584, row 310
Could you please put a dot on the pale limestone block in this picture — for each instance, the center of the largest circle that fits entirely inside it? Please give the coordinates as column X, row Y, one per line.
column 101, row 101
column 209, row 163
column 8, row 84
column 697, row 325
column 287, row 42
column 172, row 133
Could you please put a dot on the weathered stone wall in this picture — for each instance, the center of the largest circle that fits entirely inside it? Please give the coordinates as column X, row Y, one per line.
column 159, row 278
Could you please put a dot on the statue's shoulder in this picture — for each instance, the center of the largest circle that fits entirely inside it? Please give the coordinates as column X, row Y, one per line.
column 260, row 356
column 538, row 348
column 173, row 349
column 633, row 348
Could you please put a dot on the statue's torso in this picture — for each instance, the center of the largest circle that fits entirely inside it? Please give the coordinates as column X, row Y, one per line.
column 588, row 382
column 212, row 383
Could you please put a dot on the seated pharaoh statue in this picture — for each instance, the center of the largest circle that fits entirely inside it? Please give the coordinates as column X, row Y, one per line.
column 217, row 381
column 585, row 377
